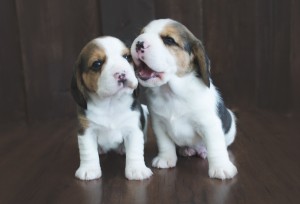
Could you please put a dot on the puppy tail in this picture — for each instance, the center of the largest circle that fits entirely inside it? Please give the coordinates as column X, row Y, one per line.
column 146, row 113
column 230, row 136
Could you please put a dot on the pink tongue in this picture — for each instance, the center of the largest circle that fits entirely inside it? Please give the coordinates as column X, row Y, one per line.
column 145, row 73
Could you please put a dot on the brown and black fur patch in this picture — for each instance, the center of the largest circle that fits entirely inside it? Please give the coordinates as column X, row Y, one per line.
column 201, row 61
column 89, row 55
column 126, row 51
column 85, row 79
column 188, row 51
column 178, row 50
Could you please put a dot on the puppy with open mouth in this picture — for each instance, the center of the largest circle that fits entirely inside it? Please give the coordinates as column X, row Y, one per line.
column 109, row 115
column 186, row 109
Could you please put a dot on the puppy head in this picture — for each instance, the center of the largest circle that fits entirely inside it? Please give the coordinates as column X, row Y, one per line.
column 103, row 69
column 166, row 48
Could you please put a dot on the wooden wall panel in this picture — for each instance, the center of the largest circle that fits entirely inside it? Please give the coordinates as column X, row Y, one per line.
column 190, row 13
column 221, row 40
column 125, row 20
column 253, row 47
column 243, row 75
column 12, row 97
column 52, row 34
column 295, row 54
column 273, row 85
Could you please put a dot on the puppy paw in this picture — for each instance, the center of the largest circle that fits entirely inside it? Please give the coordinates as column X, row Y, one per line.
column 88, row 173
column 137, row 172
column 225, row 171
column 164, row 162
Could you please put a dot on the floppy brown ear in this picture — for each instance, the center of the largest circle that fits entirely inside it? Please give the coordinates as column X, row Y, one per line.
column 201, row 61
column 77, row 90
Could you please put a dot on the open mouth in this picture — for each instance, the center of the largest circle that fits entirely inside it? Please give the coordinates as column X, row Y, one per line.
column 145, row 73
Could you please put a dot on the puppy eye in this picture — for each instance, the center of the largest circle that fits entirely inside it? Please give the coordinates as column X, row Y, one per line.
column 168, row 40
column 96, row 66
column 128, row 58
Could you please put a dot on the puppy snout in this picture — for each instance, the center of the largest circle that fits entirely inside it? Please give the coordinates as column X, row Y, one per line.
column 120, row 77
column 141, row 46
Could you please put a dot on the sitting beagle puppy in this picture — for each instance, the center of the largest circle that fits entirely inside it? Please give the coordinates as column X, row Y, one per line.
column 185, row 107
column 109, row 116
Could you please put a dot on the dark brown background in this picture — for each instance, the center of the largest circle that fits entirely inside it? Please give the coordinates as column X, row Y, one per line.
column 253, row 47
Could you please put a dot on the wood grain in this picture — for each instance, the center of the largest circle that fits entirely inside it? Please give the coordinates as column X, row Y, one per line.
column 128, row 19
column 52, row 34
column 295, row 50
column 12, row 91
column 252, row 45
column 37, row 165
column 273, row 84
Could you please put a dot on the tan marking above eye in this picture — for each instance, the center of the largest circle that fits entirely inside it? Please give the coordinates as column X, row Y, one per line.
column 183, row 58
column 97, row 54
column 127, row 55
column 125, row 51
column 171, row 31
column 92, row 53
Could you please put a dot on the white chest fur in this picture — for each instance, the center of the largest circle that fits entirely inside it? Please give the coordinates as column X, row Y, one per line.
column 111, row 121
column 182, row 109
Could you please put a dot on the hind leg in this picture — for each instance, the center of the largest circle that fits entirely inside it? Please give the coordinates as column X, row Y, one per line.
column 186, row 151
column 199, row 150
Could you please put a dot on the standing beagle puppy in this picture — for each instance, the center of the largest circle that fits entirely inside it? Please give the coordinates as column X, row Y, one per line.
column 185, row 107
column 109, row 116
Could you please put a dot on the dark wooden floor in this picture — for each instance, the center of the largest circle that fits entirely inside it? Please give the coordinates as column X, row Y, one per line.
column 37, row 165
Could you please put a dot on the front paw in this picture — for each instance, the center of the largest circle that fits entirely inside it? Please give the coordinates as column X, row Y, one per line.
column 88, row 173
column 224, row 171
column 137, row 172
column 164, row 162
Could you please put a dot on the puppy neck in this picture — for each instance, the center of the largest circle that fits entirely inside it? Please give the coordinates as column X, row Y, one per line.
column 181, row 88
column 115, row 101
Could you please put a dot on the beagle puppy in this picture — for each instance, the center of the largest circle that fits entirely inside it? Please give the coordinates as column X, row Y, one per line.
column 185, row 107
column 109, row 116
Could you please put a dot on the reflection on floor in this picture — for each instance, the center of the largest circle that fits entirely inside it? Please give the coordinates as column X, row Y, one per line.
column 37, row 165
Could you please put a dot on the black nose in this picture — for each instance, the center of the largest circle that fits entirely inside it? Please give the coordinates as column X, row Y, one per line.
column 139, row 46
